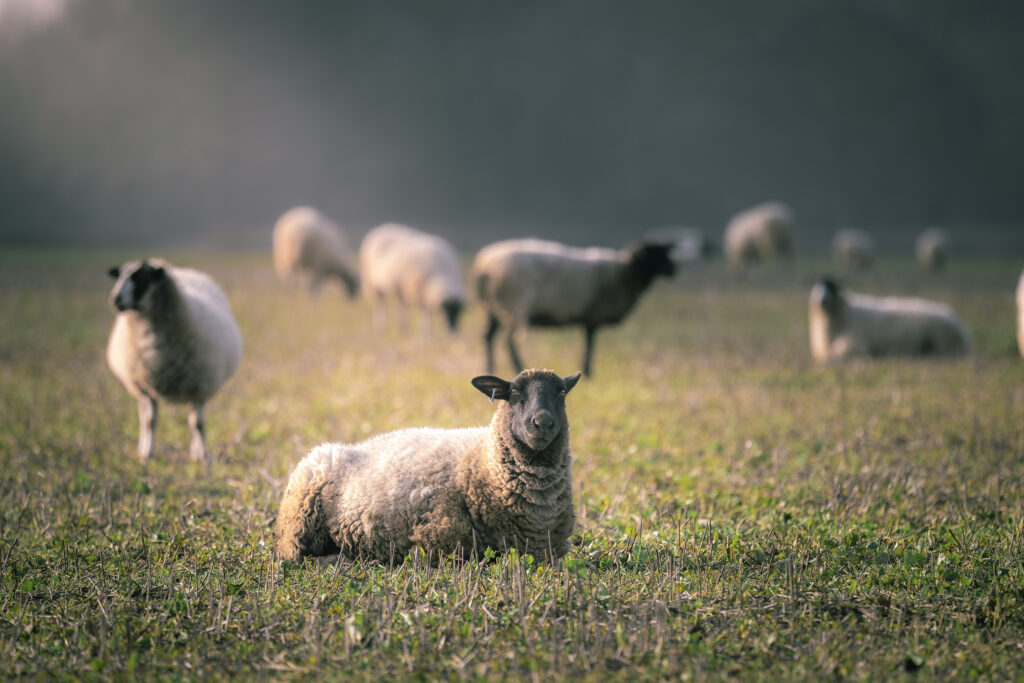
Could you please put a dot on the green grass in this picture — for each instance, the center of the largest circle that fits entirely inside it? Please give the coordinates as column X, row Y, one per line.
column 742, row 512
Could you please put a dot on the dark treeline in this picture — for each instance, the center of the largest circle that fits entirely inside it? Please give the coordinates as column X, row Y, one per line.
column 197, row 123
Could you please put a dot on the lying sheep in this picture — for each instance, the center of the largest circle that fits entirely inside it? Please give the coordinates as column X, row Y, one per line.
column 846, row 325
column 174, row 339
column 413, row 268
column 932, row 249
column 445, row 490
column 1020, row 314
column 545, row 284
column 759, row 234
column 309, row 245
column 853, row 249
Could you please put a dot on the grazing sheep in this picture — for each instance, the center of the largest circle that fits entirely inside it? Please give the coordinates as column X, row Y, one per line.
column 846, row 325
column 853, row 249
column 1020, row 314
column 546, row 284
column 759, row 234
column 932, row 249
column 174, row 339
column 446, row 490
column 309, row 245
column 412, row 268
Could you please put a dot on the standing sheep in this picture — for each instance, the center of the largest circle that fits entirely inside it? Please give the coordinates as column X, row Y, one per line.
column 759, row 234
column 309, row 245
column 174, row 339
column 932, row 249
column 853, row 249
column 446, row 490
column 846, row 325
column 412, row 268
column 1020, row 314
column 547, row 284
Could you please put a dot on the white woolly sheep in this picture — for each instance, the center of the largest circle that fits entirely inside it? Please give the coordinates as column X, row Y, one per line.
column 759, row 234
column 932, row 249
column 448, row 491
column 174, row 339
column 533, row 282
column 413, row 268
column 1020, row 314
column 846, row 325
column 308, row 245
column 853, row 249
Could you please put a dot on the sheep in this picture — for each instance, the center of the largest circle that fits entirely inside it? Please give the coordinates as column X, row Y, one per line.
column 448, row 491
column 547, row 284
column 759, row 234
column 847, row 325
column 309, row 245
column 853, row 249
column 1020, row 314
column 413, row 268
column 174, row 339
column 932, row 249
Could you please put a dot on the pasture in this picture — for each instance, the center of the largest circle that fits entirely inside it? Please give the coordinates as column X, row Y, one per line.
column 741, row 511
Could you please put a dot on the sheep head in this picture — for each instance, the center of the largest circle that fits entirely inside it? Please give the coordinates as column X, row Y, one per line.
column 535, row 402
column 828, row 295
column 135, row 280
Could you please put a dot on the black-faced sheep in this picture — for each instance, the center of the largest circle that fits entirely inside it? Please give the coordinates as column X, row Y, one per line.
column 853, row 249
column 932, row 249
column 406, row 267
column 174, row 339
column 845, row 325
column 533, row 282
column 447, row 491
column 759, row 234
column 309, row 245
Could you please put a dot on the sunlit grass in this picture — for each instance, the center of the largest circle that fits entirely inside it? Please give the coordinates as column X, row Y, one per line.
column 742, row 512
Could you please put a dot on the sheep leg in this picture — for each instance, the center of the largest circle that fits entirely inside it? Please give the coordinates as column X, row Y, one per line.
column 147, row 427
column 512, row 352
column 380, row 312
column 588, row 348
column 197, row 425
column 428, row 324
column 492, row 329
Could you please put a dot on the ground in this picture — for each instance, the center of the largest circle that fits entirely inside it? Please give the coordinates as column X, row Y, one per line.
column 742, row 512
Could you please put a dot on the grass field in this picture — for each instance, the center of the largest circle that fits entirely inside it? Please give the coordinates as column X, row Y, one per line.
column 741, row 511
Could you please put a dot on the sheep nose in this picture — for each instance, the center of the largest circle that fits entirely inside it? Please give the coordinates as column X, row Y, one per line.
column 543, row 422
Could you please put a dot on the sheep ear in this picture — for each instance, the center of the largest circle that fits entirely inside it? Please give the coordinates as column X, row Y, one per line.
column 571, row 380
column 114, row 272
column 492, row 387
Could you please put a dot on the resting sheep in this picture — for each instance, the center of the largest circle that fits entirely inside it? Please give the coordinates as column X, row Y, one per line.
column 759, row 234
column 853, row 249
column 445, row 490
column 309, row 245
column 846, row 325
column 412, row 268
column 1020, row 314
column 932, row 249
column 547, row 284
column 174, row 339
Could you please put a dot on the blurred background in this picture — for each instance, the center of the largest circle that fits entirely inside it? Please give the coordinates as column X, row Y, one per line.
column 195, row 123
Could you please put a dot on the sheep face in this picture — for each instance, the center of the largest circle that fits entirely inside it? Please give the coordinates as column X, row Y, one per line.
column 135, row 280
column 652, row 259
column 452, row 308
column 536, row 401
column 828, row 295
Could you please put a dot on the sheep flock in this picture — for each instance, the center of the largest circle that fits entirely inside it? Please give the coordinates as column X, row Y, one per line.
column 507, row 484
